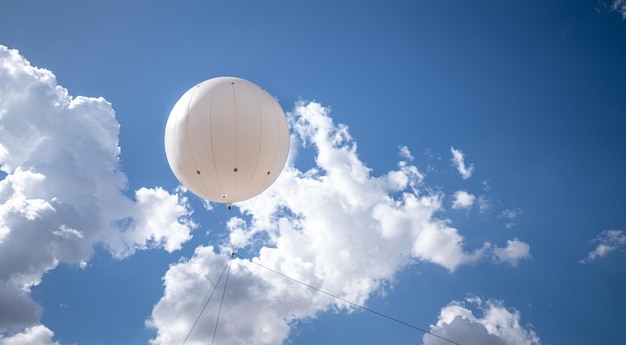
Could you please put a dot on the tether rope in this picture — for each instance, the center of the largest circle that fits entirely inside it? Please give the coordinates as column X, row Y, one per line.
column 348, row 302
column 208, row 300
column 219, row 311
column 228, row 265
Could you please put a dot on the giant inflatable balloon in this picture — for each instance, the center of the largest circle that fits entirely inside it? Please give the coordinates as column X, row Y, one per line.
column 227, row 139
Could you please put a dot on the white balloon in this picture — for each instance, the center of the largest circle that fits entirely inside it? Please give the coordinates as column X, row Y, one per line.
column 227, row 139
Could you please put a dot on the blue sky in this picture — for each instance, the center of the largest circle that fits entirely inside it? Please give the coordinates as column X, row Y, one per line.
column 455, row 165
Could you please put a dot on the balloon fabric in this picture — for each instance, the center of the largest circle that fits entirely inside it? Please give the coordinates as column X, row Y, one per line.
column 227, row 139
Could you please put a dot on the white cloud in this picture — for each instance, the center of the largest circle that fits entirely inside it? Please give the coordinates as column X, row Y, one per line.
column 463, row 199
column 510, row 215
column 458, row 159
column 483, row 204
column 335, row 227
column 63, row 190
column 35, row 335
column 608, row 241
column 489, row 323
column 486, row 185
column 620, row 7
column 514, row 251
column 159, row 219
column 406, row 153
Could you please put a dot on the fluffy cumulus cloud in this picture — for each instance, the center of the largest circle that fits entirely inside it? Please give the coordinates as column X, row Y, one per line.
column 335, row 227
column 62, row 191
column 35, row 335
column 458, row 159
column 514, row 251
column 477, row 322
column 607, row 241
column 463, row 199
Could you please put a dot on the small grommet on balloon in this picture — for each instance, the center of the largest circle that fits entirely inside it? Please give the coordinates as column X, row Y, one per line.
column 198, row 172
column 268, row 172
column 235, row 170
column 224, row 196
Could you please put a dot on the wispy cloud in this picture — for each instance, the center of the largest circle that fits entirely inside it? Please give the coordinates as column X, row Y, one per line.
column 331, row 227
column 63, row 190
column 478, row 322
column 510, row 215
column 619, row 6
column 406, row 153
column 608, row 241
column 458, row 159
column 483, row 204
